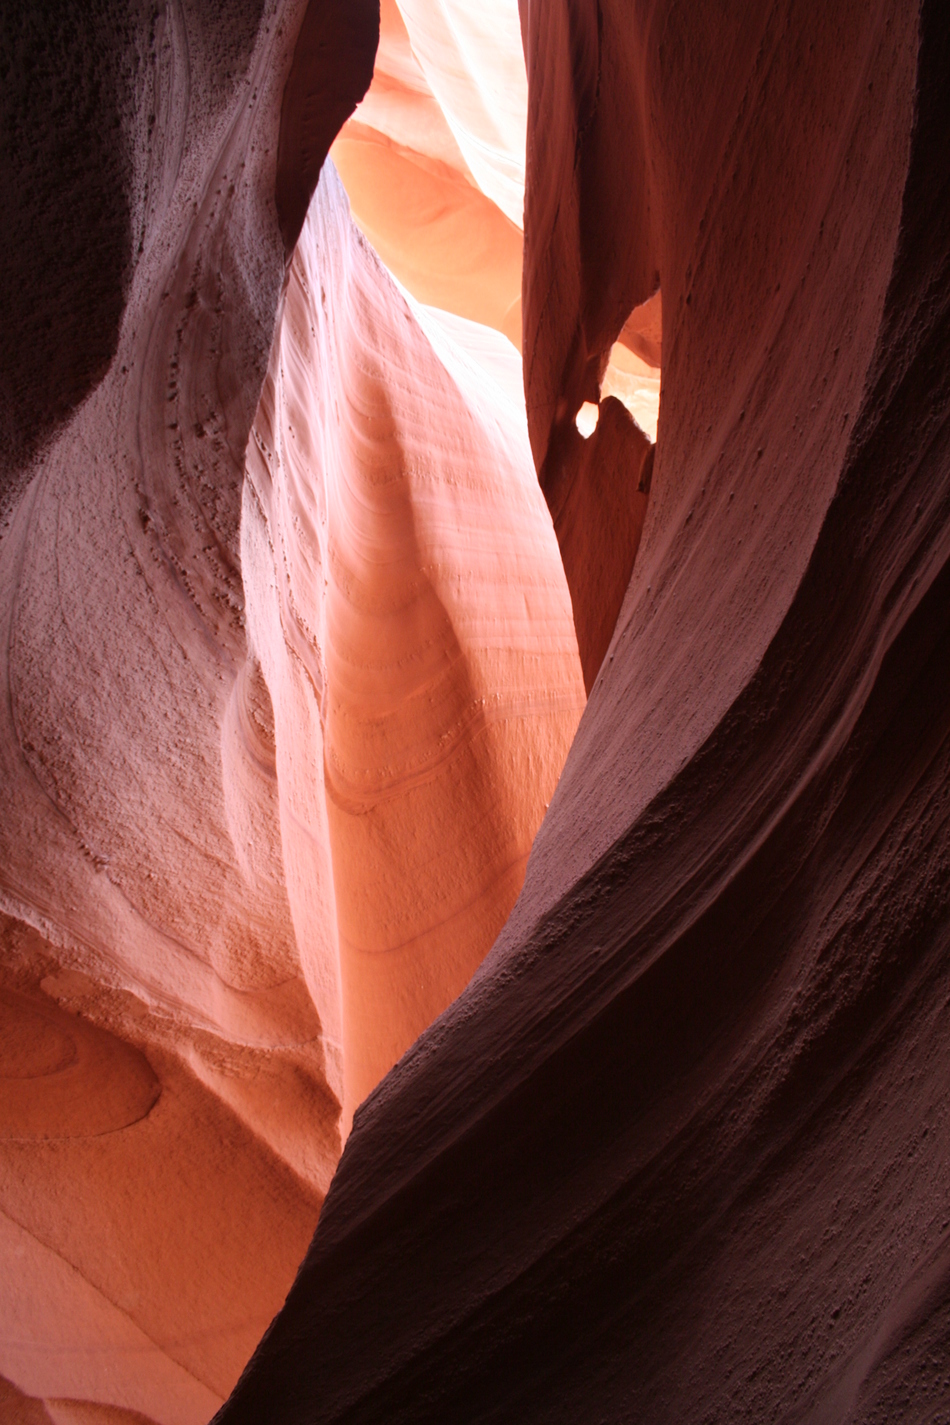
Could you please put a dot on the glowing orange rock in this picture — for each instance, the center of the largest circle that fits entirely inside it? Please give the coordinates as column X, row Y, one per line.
column 198, row 922
column 168, row 1121
column 447, row 224
column 409, row 610
column 472, row 58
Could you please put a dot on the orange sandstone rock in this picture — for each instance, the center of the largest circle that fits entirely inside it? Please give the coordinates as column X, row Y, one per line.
column 408, row 607
column 472, row 58
column 168, row 1116
column 433, row 158
column 199, row 966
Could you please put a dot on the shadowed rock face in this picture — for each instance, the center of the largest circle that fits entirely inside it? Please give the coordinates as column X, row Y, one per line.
column 679, row 1151
column 71, row 101
column 168, row 1118
column 289, row 675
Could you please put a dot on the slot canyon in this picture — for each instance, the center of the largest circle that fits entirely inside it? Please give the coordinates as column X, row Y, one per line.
column 474, row 836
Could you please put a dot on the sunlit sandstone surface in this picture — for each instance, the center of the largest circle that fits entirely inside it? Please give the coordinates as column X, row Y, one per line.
column 290, row 674
column 433, row 160
column 408, row 608
column 304, row 575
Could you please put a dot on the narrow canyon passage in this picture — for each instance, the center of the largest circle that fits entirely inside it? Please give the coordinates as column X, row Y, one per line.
column 291, row 673
column 473, row 842
column 417, row 580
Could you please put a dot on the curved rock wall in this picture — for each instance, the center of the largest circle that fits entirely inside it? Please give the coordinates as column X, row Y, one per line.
column 275, row 739
column 472, row 58
column 407, row 605
column 433, row 158
column 679, row 1151
column 289, row 672
column 168, row 1120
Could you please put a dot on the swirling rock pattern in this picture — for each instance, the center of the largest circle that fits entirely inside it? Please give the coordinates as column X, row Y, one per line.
column 275, row 742
column 168, row 1121
column 433, row 158
column 408, row 607
column 275, row 735
column 679, row 1151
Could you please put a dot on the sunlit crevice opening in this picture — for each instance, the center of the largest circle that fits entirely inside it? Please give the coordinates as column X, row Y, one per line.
column 633, row 372
column 415, row 563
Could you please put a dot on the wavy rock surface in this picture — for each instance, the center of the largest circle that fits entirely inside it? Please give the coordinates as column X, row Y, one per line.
column 275, row 741
column 407, row 605
column 473, row 60
column 679, row 1151
column 433, row 158
column 433, row 162
column 168, row 1119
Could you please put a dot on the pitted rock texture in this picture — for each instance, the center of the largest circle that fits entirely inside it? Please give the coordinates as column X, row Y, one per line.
column 168, row 1118
column 288, row 670
column 212, row 947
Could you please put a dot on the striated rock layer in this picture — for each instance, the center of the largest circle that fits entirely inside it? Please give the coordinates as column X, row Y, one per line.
column 433, row 158
column 168, row 1119
column 195, row 911
column 407, row 605
column 168, row 1124
column 679, row 1152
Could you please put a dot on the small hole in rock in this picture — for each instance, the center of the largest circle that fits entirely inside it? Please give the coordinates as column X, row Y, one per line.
column 587, row 418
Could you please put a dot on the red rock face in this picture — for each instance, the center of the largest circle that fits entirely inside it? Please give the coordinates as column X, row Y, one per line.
column 679, row 1150
column 290, row 677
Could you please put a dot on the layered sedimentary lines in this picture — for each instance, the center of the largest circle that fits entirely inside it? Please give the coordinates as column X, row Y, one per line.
column 433, row 158
column 407, row 604
column 273, row 751
column 433, row 161
column 292, row 605
column 168, row 1124
column 679, row 1151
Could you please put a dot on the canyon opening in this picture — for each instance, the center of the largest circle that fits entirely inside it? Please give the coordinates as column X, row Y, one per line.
column 474, row 843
